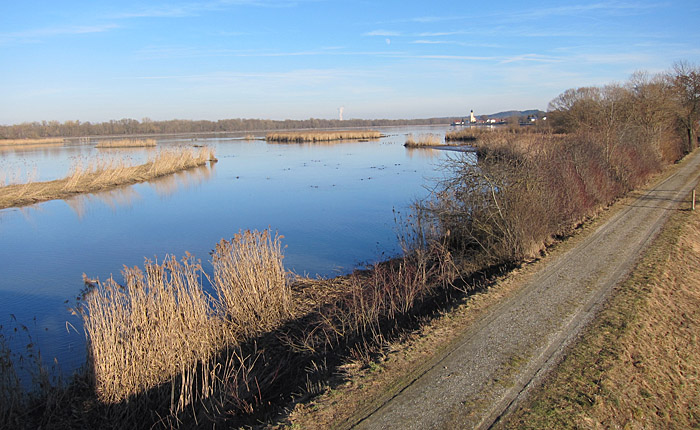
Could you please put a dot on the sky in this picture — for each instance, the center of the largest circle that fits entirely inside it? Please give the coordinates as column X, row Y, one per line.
column 92, row 60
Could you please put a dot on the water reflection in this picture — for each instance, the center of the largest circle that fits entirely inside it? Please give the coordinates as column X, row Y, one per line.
column 124, row 197
column 169, row 185
column 118, row 197
column 426, row 153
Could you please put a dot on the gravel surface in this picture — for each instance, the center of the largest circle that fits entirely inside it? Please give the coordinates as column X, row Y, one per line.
column 491, row 367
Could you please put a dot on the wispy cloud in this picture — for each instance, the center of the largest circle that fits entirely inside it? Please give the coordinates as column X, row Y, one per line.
column 383, row 33
column 532, row 58
column 442, row 33
column 36, row 34
column 196, row 8
column 455, row 43
column 606, row 7
column 432, row 42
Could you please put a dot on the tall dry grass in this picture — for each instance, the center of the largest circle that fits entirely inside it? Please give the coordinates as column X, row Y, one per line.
column 423, row 140
column 44, row 141
column 251, row 283
column 464, row 135
column 103, row 174
column 162, row 329
column 322, row 136
column 127, row 143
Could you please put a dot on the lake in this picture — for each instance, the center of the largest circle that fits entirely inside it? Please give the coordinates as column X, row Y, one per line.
column 333, row 203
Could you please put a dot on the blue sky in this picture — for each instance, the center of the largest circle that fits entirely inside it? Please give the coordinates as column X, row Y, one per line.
column 214, row 59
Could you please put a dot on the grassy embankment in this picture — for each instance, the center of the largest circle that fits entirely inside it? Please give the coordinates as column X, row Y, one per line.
column 321, row 136
column 127, row 143
column 638, row 365
column 102, row 175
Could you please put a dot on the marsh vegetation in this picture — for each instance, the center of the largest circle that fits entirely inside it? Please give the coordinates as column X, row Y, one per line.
column 321, row 136
column 164, row 350
column 423, row 140
column 127, row 143
column 102, row 174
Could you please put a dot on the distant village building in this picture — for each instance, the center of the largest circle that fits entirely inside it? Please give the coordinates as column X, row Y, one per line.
column 472, row 119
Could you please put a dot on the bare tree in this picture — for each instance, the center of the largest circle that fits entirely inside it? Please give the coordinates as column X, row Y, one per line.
column 686, row 83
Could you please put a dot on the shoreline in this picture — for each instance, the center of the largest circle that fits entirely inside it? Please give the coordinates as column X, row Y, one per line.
column 102, row 178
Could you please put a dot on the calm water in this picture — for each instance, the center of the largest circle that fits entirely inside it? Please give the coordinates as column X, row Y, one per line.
column 333, row 204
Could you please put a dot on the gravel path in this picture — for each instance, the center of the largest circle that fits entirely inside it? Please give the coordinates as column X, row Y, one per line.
column 492, row 366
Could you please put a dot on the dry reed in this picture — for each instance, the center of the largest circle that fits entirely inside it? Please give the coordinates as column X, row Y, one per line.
column 162, row 329
column 102, row 175
column 149, row 330
column 464, row 135
column 251, row 282
column 322, row 136
column 49, row 140
column 127, row 143
column 423, row 140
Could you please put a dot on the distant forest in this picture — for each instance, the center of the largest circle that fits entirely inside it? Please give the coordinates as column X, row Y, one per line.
column 133, row 127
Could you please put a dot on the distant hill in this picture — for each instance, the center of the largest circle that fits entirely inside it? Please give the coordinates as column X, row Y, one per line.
column 509, row 113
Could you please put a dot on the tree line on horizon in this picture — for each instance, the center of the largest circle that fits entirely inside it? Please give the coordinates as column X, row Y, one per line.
column 127, row 126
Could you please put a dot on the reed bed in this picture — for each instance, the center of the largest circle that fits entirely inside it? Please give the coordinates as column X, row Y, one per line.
column 423, row 140
column 250, row 280
column 162, row 329
column 50, row 140
column 102, row 174
column 322, row 136
column 127, row 143
column 464, row 135
column 148, row 330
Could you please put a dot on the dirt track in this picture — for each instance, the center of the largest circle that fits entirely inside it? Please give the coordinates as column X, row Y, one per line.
column 490, row 367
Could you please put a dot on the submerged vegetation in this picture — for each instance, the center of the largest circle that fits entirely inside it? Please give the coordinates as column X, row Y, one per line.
column 177, row 346
column 322, row 136
column 103, row 174
column 127, row 143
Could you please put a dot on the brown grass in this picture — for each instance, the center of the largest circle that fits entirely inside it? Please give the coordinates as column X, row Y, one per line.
column 464, row 135
column 19, row 142
column 638, row 365
column 251, row 283
column 157, row 324
column 127, row 143
column 322, row 136
column 103, row 175
column 161, row 327
column 423, row 140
